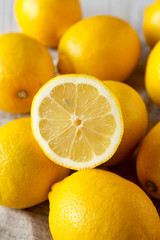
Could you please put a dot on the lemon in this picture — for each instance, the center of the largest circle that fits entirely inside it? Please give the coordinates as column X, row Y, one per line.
column 148, row 162
column 25, row 65
column 134, row 113
column 102, row 46
column 77, row 121
column 152, row 75
column 47, row 20
column 151, row 24
column 26, row 174
column 95, row 204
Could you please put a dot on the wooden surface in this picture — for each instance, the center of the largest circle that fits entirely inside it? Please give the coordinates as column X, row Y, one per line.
column 130, row 10
column 32, row 223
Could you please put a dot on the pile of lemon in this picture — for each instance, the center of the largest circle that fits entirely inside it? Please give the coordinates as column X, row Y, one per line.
column 79, row 121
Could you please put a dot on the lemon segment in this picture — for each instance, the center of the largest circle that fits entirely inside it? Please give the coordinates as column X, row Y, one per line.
column 77, row 121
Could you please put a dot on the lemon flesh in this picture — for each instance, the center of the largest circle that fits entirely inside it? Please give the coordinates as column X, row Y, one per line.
column 77, row 121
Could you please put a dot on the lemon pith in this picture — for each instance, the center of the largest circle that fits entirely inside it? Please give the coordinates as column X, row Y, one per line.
column 77, row 121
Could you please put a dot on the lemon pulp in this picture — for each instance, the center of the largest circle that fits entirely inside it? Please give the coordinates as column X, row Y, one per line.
column 77, row 121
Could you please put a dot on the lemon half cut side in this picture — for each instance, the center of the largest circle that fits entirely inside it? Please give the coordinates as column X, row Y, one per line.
column 77, row 121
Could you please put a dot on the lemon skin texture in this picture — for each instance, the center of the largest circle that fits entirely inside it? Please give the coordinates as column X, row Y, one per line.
column 148, row 162
column 152, row 75
column 26, row 174
column 47, row 20
column 96, row 204
column 25, row 65
column 102, row 46
column 151, row 23
column 134, row 113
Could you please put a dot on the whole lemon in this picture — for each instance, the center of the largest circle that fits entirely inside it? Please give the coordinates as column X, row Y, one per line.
column 47, row 20
column 103, row 46
column 96, row 204
column 134, row 113
column 151, row 24
column 152, row 75
column 26, row 174
column 148, row 162
column 25, row 65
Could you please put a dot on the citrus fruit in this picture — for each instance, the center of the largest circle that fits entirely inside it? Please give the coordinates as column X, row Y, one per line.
column 151, row 24
column 148, row 162
column 26, row 174
column 25, row 65
column 77, row 121
column 95, row 204
column 47, row 20
column 134, row 113
column 102, row 46
column 152, row 75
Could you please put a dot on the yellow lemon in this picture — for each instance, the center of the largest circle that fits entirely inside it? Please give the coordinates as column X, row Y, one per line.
column 134, row 114
column 95, row 204
column 102, row 46
column 47, row 20
column 151, row 24
column 77, row 121
column 152, row 75
column 148, row 162
column 26, row 174
column 25, row 65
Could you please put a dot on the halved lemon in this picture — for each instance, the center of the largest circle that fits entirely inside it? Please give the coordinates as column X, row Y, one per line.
column 77, row 121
